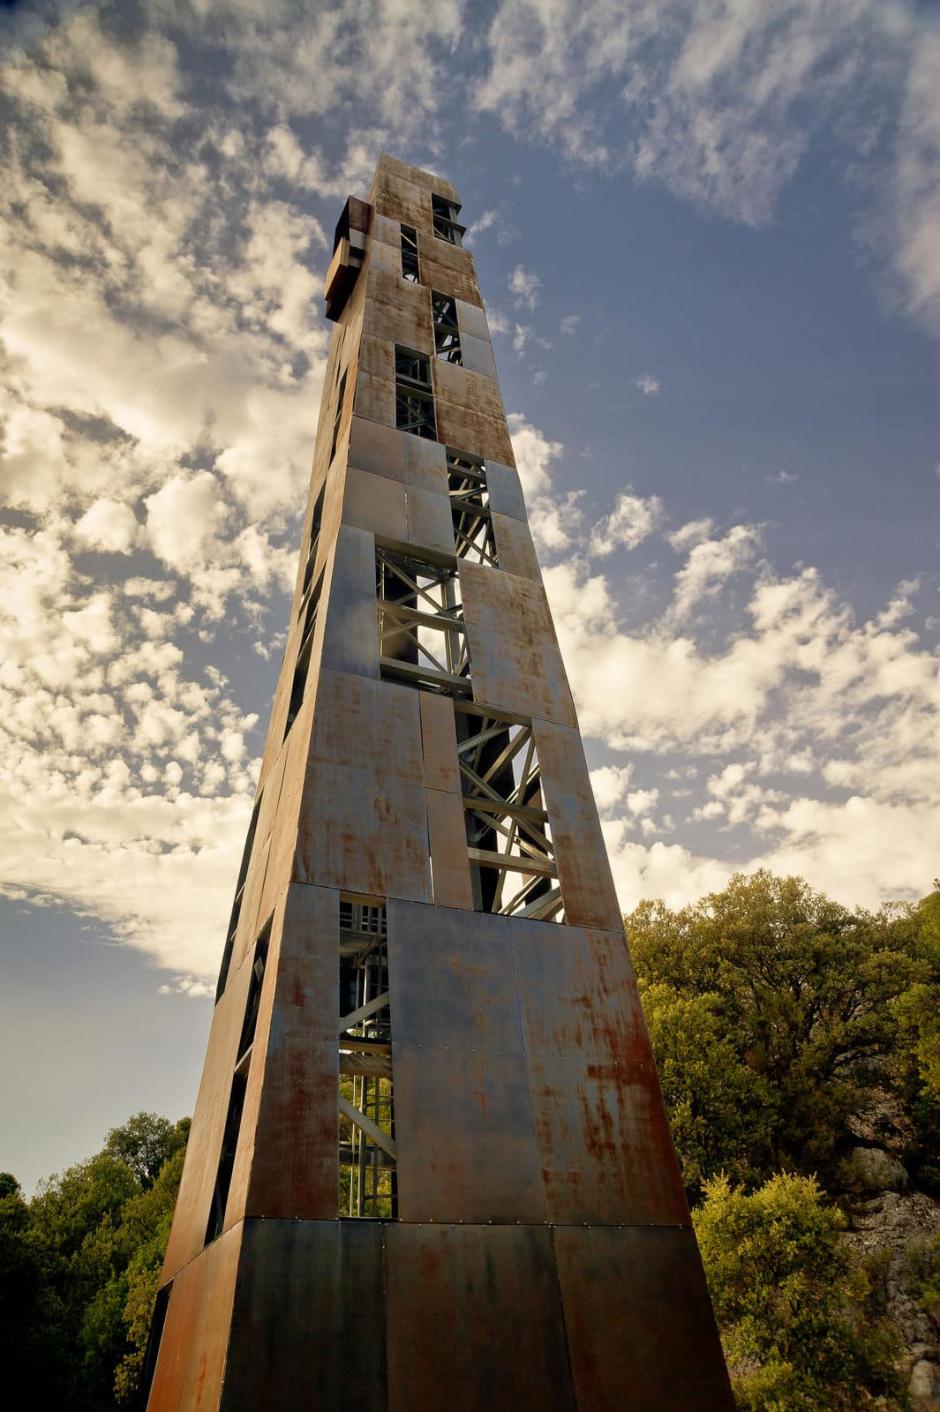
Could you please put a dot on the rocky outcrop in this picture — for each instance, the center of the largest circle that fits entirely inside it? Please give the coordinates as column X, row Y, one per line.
column 895, row 1230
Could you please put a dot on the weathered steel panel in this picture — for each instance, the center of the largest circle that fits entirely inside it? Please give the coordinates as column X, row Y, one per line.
column 430, row 523
column 505, row 487
column 283, row 862
column 189, row 1369
column 463, row 1114
column 386, row 231
column 604, row 1144
column 478, row 355
column 209, row 1335
column 398, row 199
column 389, row 168
column 375, row 503
column 583, row 866
column 384, row 256
column 439, row 743
column 471, row 320
column 293, row 1155
column 450, row 864
column 458, row 385
column 474, row 1321
column 191, row 1218
column 249, row 919
column 442, row 271
column 375, row 399
column 514, row 656
column 639, row 1324
column 386, row 451
column 396, row 311
column 308, row 1327
column 350, row 632
column 363, row 820
column 515, row 548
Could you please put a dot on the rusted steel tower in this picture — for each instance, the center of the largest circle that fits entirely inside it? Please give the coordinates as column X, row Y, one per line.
column 429, row 1166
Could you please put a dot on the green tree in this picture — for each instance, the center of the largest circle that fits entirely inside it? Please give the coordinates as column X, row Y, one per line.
column 145, row 1142
column 796, row 1319
column 790, row 995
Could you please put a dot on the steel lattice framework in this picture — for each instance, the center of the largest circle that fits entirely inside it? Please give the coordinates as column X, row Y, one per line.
column 429, row 1166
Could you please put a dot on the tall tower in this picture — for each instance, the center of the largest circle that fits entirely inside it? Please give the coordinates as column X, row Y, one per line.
column 429, row 1166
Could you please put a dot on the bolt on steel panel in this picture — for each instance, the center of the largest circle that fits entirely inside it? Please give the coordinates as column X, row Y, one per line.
column 477, row 356
column 463, row 1115
column 191, row 1217
column 386, row 451
column 640, row 1329
column 474, row 1320
column 350, row 629
column 456, row 384
column 439, row 270
column 516, row 663
column 515, row 548
column 430, row 522
column 439, row 743
column 605, row 1150
column 450, row 863
column 375, row 399
column 505, row 488
column 375, row 503
column 363, row 822
column 189, row 1370
column 583, row 866
column 308, row 1325
column 283, row 859
column 293, row 1153
column 471, row 320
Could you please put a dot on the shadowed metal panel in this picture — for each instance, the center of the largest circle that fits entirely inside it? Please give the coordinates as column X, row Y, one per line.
column 641, row 1334
column 515, row 662
column 294, row 1169
column 375, row 503
column 439, row 743
column 188, row 1374
column 308, row 1328
column 463, row 1116
column 350, row 633
column 604, row 1143
column 474, row 1321
column 430, row 524
column 191, row 1217
column 450, row 864
column 505, row 489
column 583, row 866
column 363, row 823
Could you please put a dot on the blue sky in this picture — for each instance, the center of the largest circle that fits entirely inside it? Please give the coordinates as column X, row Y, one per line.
column 708, row 235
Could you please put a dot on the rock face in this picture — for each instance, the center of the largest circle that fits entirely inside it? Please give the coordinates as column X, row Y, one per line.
column 895, row 1228
column 871, row 1169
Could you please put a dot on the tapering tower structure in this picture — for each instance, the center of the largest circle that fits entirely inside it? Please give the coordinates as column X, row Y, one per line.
column 429, row 1165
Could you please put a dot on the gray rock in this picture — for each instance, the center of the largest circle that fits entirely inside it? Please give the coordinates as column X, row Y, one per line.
column 873, row 1169
column 924, row 1385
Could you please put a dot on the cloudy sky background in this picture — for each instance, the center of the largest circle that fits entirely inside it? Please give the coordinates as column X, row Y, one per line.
column 708, row 235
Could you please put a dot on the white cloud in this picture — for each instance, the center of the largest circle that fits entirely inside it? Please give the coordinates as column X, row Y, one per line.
column 569, row 323
column 633, row 519
column 710, row 564
column 721, row 102
column 689, row 534
column 647, row 384
column 108, row 525
column 524, row 285
column 610, row 784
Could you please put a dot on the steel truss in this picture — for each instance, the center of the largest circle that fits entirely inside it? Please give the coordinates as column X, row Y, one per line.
column 367, row 1150
column 422, row 634
column 509, row 839
column 470, row 507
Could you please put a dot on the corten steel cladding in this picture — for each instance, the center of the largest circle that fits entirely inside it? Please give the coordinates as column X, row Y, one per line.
column 429, row 1165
